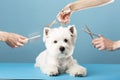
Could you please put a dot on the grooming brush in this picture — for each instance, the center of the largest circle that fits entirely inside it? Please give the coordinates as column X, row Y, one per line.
column 34, row 37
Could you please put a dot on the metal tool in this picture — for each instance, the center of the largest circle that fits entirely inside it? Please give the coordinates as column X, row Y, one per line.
column 92, row 35
column 55, row 21
column 34, row 37
column 52, row 23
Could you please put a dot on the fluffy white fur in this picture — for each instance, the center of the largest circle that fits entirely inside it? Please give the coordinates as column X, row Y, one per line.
column 57, row 58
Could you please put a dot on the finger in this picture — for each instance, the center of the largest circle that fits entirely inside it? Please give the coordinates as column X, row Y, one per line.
column 22, row 38
column 15, row 46
column 101, row 48
column 19, row 44
column 23, row 41
column 66, row 16
column 100, row 35
column 96, row 42
column 66, row 21
column 61, row 14
column 98, row 46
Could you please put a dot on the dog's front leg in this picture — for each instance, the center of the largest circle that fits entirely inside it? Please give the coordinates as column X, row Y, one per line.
column 76, row 70
column 50, row 70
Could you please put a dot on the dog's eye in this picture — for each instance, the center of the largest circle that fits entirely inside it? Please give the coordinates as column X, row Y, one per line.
column 65, row 40
column 55, row 41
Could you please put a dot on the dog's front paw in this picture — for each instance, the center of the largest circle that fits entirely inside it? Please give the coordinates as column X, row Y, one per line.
column 77, row 71
column 80, row 72
column 52, row 71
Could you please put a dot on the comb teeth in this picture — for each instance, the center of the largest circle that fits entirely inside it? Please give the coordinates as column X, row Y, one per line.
column 34, row 37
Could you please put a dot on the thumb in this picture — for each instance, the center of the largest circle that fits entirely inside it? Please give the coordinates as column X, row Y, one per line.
column 99, row 35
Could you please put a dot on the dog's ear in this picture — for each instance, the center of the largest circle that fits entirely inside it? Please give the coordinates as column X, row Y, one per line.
column 72, row 29
column 45, row 33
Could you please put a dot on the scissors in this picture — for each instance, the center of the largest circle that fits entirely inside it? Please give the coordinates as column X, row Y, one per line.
column 92, row 35
column 52, row 23
column 55, row 21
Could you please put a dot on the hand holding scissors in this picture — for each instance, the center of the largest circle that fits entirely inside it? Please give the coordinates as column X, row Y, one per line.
column 101, row 42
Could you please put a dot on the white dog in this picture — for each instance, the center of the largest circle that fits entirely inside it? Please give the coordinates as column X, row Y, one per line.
column 57, row 58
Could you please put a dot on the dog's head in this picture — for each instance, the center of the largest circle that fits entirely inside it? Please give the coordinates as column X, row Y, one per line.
column 60, row 41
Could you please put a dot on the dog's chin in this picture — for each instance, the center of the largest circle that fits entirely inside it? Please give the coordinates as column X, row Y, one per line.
column 64, row 55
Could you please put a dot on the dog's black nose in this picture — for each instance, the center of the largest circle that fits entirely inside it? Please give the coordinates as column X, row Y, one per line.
column 62, row 48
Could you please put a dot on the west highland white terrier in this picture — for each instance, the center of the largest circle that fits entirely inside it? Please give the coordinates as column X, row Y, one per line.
column 57, row 58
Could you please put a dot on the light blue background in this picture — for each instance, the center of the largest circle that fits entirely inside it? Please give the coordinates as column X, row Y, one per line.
column 27, row 16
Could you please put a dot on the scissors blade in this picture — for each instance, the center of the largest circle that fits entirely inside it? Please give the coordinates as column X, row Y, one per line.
column 89, row 32
column 52, row 23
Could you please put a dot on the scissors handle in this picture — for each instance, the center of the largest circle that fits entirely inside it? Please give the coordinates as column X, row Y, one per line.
column 95, row 35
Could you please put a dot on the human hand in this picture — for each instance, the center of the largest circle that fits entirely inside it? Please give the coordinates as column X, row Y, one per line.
column 103, row 43
column 14, row 40
column 64, row 15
